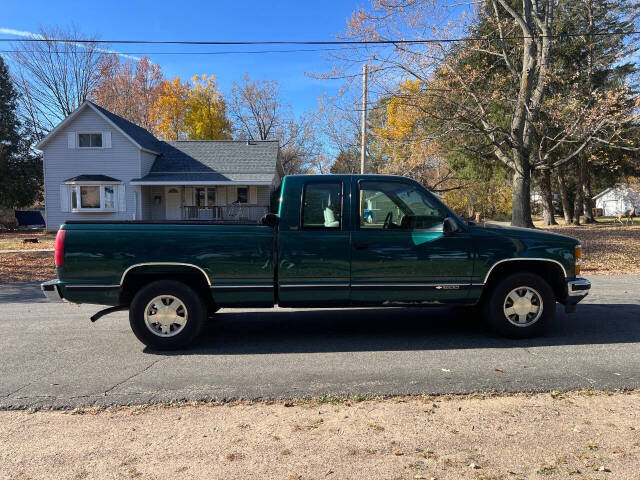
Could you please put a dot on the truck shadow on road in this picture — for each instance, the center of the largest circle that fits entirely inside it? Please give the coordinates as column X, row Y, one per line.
column 400, row 329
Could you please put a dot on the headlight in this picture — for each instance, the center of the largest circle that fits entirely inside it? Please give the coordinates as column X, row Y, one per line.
column 578, row 257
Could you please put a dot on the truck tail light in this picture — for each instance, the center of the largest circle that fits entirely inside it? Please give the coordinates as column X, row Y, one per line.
column 59, row 248
column 578, row 257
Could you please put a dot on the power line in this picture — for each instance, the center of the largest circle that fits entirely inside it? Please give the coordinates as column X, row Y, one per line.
column 222, row 52
column 319, row 42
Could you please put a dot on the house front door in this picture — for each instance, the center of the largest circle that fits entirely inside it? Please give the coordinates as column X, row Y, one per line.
column 173, row 200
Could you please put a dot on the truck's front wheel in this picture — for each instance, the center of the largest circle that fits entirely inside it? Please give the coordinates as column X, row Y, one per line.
column 520, row 305
column 166, row 315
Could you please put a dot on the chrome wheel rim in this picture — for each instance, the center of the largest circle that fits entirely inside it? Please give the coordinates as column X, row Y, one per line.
column 165, row 316
column 522, row 306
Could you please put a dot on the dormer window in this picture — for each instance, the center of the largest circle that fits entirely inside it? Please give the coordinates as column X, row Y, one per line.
column 90, row 140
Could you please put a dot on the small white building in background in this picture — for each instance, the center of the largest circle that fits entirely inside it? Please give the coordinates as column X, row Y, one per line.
column 618, row 199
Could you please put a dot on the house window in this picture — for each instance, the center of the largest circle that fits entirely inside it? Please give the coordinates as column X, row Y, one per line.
column 243, row 195
column 200, row 198
column 205, row 196
column 93, row 198
column 90, row 140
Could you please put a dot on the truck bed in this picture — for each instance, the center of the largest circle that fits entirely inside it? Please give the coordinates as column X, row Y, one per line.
column 231, row 257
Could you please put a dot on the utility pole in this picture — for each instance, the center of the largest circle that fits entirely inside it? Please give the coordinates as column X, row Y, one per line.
column 363, row 135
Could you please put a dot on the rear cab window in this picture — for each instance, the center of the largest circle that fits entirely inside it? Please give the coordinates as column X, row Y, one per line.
column 322, row 205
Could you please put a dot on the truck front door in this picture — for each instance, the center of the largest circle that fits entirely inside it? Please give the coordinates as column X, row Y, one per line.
column 400, row 254
column 314, row 243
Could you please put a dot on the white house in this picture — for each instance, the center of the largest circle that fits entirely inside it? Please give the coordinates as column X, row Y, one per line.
column 617, row 199
column 99, row 166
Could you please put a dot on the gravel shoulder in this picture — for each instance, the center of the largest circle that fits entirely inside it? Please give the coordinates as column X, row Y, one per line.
column 573, row 435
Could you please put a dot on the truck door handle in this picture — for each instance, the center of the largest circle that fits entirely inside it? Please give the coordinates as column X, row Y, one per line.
column 361, row 246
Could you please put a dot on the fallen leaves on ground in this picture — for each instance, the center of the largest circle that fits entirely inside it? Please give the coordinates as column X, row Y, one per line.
column 606, row 249
column 27, row 267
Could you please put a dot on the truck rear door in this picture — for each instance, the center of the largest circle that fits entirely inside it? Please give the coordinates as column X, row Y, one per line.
column 314, row 255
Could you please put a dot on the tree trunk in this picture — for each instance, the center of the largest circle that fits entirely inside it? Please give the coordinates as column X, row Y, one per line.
column 521, row 199
column 548, row 216
column 587, row 201
column 577, row 202
column 564, row 196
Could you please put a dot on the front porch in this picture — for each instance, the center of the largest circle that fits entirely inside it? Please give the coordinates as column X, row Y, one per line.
column 230, row 213
column 228, row 203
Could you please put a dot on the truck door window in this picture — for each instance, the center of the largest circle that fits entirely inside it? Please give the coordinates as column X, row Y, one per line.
column 322, row 205
column 389, row 205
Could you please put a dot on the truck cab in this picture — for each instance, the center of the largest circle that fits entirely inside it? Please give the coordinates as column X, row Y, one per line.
column 369, row 240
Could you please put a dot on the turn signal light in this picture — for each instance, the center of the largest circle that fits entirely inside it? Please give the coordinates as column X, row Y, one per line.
column 578, row 257
column 59, row 248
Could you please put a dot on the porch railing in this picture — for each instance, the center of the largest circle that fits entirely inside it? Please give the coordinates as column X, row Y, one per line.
column 229, row 213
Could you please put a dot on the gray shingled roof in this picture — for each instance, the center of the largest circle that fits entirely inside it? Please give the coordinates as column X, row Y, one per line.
column 203, row 160
column 215, row 161
column 91, row 178
column 141, row 136
column 205, row 177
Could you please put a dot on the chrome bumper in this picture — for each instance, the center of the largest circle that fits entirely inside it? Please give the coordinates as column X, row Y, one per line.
column 51, row 290
column 578, row 287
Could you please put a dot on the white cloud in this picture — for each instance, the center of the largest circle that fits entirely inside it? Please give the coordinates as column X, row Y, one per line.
column 23, row 33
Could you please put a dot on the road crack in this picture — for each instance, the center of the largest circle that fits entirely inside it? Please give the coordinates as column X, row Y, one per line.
column 106, row 392
column 17, row 390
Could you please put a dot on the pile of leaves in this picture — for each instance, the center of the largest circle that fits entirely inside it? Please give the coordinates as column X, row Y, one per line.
column 607, row 249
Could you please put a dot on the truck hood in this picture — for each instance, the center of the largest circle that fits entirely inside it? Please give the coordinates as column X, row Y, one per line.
column 518, row 232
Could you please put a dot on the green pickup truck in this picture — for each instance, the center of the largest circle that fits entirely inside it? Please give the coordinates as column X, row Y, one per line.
column 336, row 241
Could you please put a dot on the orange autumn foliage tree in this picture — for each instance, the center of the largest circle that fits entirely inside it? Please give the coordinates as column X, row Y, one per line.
column 129, row 89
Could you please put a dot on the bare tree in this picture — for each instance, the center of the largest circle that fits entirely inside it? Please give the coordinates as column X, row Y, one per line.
column 128, row 89
column 259, row 113
column 54, row 77
column 256, row 109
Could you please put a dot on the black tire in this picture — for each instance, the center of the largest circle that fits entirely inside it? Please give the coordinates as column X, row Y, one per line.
column 193, row 309
column 494, row 306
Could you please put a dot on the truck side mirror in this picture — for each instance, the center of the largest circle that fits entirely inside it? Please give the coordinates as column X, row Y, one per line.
column 270, row 220
column 449, row 225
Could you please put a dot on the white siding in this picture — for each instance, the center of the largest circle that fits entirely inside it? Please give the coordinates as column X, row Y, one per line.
column 146, row 162
column 264, row 197
column 121, row 161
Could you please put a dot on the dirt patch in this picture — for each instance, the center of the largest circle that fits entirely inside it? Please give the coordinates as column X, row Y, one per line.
column 27, row 267
column 15, row 240
column 607, row 249
column 595, row 436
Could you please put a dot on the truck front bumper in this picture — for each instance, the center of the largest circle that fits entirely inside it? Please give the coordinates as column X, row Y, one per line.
column 51, row 290
column 576, row 290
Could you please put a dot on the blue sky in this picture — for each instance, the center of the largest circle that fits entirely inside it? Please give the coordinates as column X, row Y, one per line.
column 214, row 20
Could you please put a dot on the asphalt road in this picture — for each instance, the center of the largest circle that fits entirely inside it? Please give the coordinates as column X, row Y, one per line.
column 52, row 356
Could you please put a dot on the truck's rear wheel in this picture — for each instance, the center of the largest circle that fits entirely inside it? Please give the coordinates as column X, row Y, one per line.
column 166, row 315
column 520, row 306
